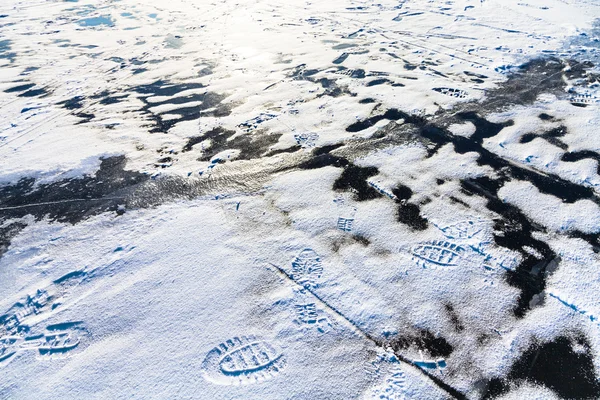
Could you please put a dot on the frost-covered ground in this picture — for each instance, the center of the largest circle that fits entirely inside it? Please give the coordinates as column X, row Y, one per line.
column 299, row 200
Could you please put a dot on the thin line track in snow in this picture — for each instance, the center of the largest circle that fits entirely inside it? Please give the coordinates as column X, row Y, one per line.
column 48, row 203
column 455, row 393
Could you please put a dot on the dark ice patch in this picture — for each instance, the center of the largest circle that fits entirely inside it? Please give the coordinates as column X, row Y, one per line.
column 354, row 179
column 251, row 145
column 581, row 155
column 564, row 365
column 368, row 100
column 210, row 103
column 324, row 160
column 5, row 51
column 551, row 137
column 72, row 103
column 341, row 58
column 484, row 129
column 391, row 114
column 538, row 76
column 20, row 88
column 7, row 233
column 402, row 192
column 34, row 93
column 409, row 213
column 434, row 346
column 326, row 149
column 292, row 149
column 545, row 117
column 71, row 200
column 376, row 82
column 454, row 318
column 515, row 232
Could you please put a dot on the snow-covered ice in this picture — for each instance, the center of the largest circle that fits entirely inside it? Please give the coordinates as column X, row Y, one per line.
column 299, row 200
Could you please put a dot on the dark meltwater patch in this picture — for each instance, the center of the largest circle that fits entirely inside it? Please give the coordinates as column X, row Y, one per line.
column 71, row 200
column 564, row 365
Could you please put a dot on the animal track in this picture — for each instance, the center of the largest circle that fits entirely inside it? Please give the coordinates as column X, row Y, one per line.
column 457, row 93
column 307, row 268
column 438, row 253
column 242, row 360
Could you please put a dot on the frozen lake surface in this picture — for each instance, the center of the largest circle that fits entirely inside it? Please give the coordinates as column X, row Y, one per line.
column 299, row 200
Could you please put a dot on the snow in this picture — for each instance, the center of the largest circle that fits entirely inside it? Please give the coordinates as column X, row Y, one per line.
column 253, row 278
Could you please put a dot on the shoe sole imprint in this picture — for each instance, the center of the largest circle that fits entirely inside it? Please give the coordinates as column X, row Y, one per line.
column 584, row 99
column 242, row 360
column 306, row 140
column 47, row 344
column 346, row 213
column 42, row 301
column 309, row 316
column 464, row 229
column 456, row 93
column 394, row 387
column 307, row 268
column 438, row 253
column 30, row 305
column 252, row 124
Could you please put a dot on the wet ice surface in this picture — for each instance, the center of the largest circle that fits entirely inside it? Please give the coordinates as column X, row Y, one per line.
column 259, row 200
